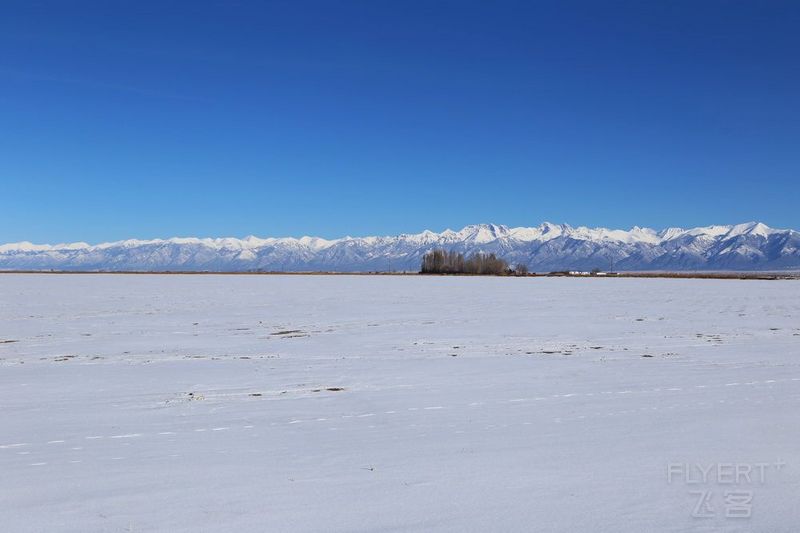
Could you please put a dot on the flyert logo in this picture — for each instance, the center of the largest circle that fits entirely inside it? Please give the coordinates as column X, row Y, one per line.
column 722, row 489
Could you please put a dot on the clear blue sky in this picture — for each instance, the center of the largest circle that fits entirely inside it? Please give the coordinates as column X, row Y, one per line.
column 156, row 119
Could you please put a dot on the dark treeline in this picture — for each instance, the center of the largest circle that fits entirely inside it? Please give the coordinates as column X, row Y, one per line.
column 445, row 262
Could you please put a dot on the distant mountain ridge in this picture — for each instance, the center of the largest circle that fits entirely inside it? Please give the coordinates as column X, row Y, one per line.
column 544, row 248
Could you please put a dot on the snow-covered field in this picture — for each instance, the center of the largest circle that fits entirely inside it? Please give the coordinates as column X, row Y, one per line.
column 383, row 403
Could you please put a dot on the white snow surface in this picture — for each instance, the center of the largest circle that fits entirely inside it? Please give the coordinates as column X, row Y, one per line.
column 394, row 403
column 749, row 246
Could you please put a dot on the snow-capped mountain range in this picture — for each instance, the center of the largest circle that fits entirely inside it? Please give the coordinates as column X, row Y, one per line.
column 548, row 247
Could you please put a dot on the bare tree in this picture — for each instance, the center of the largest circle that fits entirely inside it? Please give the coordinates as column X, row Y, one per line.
column 450, row 262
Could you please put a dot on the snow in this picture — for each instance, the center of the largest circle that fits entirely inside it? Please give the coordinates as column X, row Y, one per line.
column 751, row 228
column 543, row 233
column 710, row 231
column 479, row 233
column 376, row 403
column 25, row 246
column 635, row 235
column 670, row 233
column 543, row 248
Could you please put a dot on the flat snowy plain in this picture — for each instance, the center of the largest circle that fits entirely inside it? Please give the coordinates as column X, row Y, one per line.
column 396, row 403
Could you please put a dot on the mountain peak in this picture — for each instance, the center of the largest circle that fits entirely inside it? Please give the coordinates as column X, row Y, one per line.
column 482, row 232
column 751, row 228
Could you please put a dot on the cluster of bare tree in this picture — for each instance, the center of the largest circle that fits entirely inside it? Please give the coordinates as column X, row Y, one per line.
column 448, row 262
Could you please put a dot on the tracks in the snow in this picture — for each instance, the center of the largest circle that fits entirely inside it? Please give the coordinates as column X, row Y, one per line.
column 76, row 444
